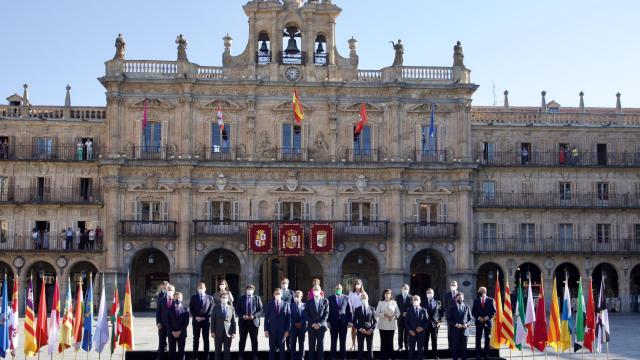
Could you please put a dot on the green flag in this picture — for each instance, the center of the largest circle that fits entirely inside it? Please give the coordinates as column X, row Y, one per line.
column 520, row 330
column 580, row 315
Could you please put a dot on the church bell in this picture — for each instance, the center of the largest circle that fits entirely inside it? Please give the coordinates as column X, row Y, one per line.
column 320, row 49
column 292, row 47
column 264, row 48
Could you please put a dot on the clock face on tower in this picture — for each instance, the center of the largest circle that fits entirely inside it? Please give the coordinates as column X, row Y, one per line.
column 293, row 73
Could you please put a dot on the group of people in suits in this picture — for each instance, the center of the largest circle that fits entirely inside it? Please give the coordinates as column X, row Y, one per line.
column 288, row 319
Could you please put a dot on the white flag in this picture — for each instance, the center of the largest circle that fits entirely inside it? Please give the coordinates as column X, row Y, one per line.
column 101, row 334
column 54, row 331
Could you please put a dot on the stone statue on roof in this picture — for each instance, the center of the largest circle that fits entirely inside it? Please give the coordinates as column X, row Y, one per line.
column 458, row 56
column 182, row 48
column 399, row 48
column 120, row 46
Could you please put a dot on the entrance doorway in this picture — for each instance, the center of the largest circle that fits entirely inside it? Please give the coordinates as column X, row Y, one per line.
column 300, row 270
column 150, row 268
column 428, row 270
column 221, row 265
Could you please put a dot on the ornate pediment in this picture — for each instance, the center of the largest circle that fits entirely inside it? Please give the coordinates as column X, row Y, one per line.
column 221, row 186
column 356, row 107
column 421, row 108
column 153, row 103
column 151, row 184
column 225, row 105
column 361, row 186
column 288, row 106
column 430, row 187
column 292, row 186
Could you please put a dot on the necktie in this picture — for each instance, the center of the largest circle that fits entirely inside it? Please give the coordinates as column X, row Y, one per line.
column 248, row 305
column 278, row 307
column 201, row 300
column 317, row 306
column 339, row 301
column 299, row 310
column 482, row 302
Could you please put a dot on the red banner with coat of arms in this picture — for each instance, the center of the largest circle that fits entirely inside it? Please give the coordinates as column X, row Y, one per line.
column 291, row 240
column 260, row 236
column 321, row 239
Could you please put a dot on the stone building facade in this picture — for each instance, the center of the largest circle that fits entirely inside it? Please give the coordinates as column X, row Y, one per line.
column 479, row 190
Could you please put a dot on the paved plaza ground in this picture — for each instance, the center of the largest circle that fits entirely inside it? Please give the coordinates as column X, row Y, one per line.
column 625, row 342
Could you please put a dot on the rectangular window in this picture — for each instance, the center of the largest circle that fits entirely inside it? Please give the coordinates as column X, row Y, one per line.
column 44, row 148
column 429, row 143
column 152, row 137
column 565, row 233
column 489, row 232
column 602, row 154
column 220, row 139
column 362, row 142
column 291, row 211
column 4, row 188
column 637, row 233
column 86, row 189
column 603, row 233
column 221, row 211
column 489, row 190
column 291, row 142
column 527, row 233
column 150, row 211
column 488, row 152
column 525, row 153
column 565, row 191
column 602, row 190
column 428, row 213
column 360, row 213
column 42, row 192
column 4, row 231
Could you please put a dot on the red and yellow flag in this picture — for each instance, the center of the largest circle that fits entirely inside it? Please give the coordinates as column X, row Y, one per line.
column 30, row 343
column 66, row 329
column 78, row 316
column 126, row 337
column 496, row 329
column 553, row 337
column 507, row 319
column 298, row 111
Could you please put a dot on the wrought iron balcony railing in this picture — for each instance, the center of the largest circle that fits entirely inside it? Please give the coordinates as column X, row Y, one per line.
column 558, row 158
column 49, row 152
column 46, row 242
column 430, row 230
column 148, row 229
column 554, row 246
column 56, row 196
column 362, row 155
column 557, row 200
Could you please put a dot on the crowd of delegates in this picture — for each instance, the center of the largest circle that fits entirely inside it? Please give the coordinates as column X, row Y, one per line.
column 288, row 319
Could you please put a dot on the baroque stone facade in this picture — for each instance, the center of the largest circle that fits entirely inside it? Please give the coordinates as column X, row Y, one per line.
column 484, row 189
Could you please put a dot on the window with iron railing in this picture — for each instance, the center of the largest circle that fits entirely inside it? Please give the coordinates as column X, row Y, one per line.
column 489, row 233
column 565, row 191
column 565, row 233
column 220, row 139
column 489, row 190
column 527, row 233
column 603, row 233
column 602, row 190
column 152, row 138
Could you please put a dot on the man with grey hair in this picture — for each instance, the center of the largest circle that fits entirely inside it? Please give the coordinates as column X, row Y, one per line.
column 164, row 300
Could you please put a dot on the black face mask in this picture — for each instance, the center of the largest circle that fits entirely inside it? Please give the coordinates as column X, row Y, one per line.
column 459, row 301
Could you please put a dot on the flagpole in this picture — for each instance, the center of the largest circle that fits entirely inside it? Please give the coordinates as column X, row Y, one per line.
column 607, row 343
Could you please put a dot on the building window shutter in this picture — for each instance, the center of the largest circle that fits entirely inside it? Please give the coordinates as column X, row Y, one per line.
column 347, row 210
column 236, row 211
column 306, row 211
column 136, row 211
column 416, row 212
column 374, row 211
column 444, row 212
column 164, row 211
column 500, row 231
column 207, row 210
column 278, row 211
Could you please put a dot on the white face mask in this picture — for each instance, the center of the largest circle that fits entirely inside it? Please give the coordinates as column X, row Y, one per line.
column 454, row 288
column 365, row 302
column 249, row 292
column 224, row 300
column 297, row 300
column 170, row 294
column 277, row 297
column 222, row 287
column 405, row 292
column 429, row 296
column 316, row 293
column 201, row 292
column 416, row 303
column 284, row 286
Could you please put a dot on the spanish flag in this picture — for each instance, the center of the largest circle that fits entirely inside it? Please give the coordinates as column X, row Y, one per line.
column 298, row 111
column 30, row 344
column 496, row 329
column 507, row 318
column 78, row 325
column 126, row 337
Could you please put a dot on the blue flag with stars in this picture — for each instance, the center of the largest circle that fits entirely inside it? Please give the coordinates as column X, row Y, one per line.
column 87, row 337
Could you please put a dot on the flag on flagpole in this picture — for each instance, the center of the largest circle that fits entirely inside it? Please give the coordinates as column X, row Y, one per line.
column 431, row 144
column 77, row 316
column 590, row 322
column 362, row 121
column 116, row 324
column 13, row 319
column 540, row 330
column 298, row 110
column 580, row 314
column 554, row 320
column 496, row 329
column 4, row 324
column 87, row 336
column 101, row 335
column 507, row 318
column 530, row 316
column 144, row 114
column 566, row 325
column 30, row 344
column 520, row 330
column 66, row 329
column 54, row 320
column 42, row 333
column 602, row 326
column 220, row 117
column 126, row 337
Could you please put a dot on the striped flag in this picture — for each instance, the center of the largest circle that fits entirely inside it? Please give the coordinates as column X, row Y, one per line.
column 87, row 326
column 66, row 329
column 580, row 312
column 496, row 329
column 602, row 326
column 220, row 117
column 42, row 333
column 4, row 324
column 554, row 320
column 362, row 121
column 13, row 319
column 77, row 324
column 566, row 324
column 144, row 115
column 54, row 320
column 116, row 324
column 298, row 110
column 520, row 329
column 507, row 318
column 30, row 344
column 126, row 337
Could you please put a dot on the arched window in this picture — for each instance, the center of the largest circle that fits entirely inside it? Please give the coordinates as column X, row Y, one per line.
column 291, row 41
column 263, row 56
column 320, row 54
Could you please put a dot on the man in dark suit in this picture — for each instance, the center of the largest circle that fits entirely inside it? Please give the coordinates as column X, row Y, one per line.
column 434, row 313
column 483, row 311
column 450, row 301
column 277, row 321
column 339, row 318
column 404, row 302
column 223, row 327
column 459, row 319
column 416, row 322
column 200, row 307
column 163, row 304
column 249, row 310
column 298, row 327
column 287, row 297
column 364, row 320
column 177, row 327
column 317, row 312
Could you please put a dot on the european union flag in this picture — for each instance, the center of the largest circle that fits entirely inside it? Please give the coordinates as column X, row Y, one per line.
column 87, row 338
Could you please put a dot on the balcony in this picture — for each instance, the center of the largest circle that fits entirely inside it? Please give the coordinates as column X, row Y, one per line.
column 555, row 246
column 152, row 152
column 293, row 59
column 148, row 229
column 45, row 243
column 218, row 153
column 430, row 231
column 291, row 154
column 86, row 113
column 431, row 156
column 220, row 228
column 556, row 200
column 73, row 196
column 553, row 158
column 362, row 155
column 48, row 152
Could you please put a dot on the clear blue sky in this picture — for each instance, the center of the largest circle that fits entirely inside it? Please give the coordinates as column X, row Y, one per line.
column 524, row 46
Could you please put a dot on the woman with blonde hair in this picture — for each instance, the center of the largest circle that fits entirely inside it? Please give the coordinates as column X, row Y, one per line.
column 357, row 289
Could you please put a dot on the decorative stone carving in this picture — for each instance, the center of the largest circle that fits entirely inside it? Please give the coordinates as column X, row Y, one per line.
column 152, row 181
column 320, row 147
column 120, row 47
column 292, row 181
column 264, row 145
column 361, row 183
column 399, row 49
column 221, row 182
column 458, row 56
column 182, row 48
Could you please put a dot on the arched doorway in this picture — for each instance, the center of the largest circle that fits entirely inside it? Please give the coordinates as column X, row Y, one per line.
column 528, row 271
column 635, row 288
column 609, row 274
column 428, row 270
column 79, row 274
column 6, row 269
column 220, row 265
column 41, row 271
column 486, row 276
column 566, row 272
column 361, row 264
column 300, row 270
column 150, row 268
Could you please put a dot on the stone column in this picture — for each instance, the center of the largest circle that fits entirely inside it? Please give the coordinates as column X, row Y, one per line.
column 624, row 287
column 112, row 217
column 250, row 151
column 463, row 254
column 113, row 139
column 184, row 270
column 395, row 271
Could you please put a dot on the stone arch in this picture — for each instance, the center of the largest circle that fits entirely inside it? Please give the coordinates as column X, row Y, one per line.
column 534, row 270
column 569, row 271
column 5, row 268
column 149, row 267
column 635, row 288
column 320, row 210
column 428, row 269
column 41, row 271
column 486, row 276
column 130, row 257
column 448, row 257
column 362, row 263
column 221, row 264
column 607, row 272
column 300, row 270
column 340, row 256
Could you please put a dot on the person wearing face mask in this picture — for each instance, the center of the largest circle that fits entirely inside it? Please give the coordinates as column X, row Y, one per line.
column 416, row 322
column 277, row 321
column 177, row 327
column 161, row 304
column 314, row 283
column 404, row 302
column 200, row 307
column 459, row 320
column 364, row 321
column 483, row 311
column 354, row 299
column 223, row 327
column 317, row 312
column 387, row 313
column 298, row 327
column 287, row 294
column 449, row 302
column 339, row 319
column 249, row 309
column 433, row 308
column 223, row 287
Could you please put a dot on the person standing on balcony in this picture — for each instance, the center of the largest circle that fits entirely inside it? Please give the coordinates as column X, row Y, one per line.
column 89, row 145
column 78, row 239
column 355, row 301
column 45, row 239
column 79, row 151
column 562, row 156
column 525, row 156
column 68, row 239
column 92, row 239
column 34, row 237
column 99, row 237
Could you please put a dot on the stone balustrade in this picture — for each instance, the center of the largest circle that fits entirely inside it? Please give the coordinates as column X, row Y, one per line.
column 53, row 112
